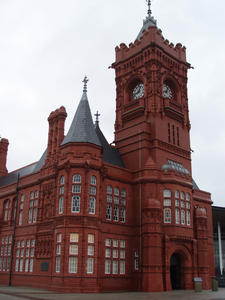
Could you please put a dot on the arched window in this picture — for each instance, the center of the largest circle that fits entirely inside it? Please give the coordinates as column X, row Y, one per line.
column 187, row 196
column 75, row 204
column 77, row 178
column 93, row 180
column 92, row 205
column 62, row 180
column 167, row 215
column 167, row 194
column 116, row 191
column 109, row 189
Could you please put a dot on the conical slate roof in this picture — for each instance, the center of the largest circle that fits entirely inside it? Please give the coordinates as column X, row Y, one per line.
column 82, row 128
column 148, row 22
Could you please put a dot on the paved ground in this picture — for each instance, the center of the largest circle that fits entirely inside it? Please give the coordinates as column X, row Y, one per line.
column 18, row 293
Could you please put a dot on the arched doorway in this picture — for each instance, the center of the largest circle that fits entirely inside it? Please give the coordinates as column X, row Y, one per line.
column 175, row 272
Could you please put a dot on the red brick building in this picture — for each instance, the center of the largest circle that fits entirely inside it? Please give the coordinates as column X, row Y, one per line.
column 91, row 216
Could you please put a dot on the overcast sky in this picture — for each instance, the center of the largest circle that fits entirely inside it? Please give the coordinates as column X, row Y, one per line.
column 47, row 46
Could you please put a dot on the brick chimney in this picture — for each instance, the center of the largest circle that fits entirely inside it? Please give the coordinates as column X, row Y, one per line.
column 4, row 143
column 56, row 133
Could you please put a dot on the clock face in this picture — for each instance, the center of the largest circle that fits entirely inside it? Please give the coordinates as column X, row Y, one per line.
column 138, row 91
column 167, row 91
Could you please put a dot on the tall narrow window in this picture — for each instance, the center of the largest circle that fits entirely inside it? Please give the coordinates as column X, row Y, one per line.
column 75, row 204
column 77, row 178
column 61, row 194
column 183, row 217
column 58, row 252
column 109, row 212
column 178, row 137
column 91, row 250
column 6, row 210
column 169, row 137
column 92, row 205
column 173, row 127
column 73, row 253
column 177, row 215
column 167, row 215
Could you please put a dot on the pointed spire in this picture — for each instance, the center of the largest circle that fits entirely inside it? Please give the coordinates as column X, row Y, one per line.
column 82, row 129
column 148, row 22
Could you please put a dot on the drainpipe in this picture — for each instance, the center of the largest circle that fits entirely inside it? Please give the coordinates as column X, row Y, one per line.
column 140, row 203
column 14, row 231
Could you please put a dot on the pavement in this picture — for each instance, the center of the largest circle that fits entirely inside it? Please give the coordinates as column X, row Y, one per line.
column 21, row 293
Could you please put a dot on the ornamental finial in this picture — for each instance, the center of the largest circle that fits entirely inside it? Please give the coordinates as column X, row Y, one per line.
column 85, row 81
column 97, row 115
column 149, row 7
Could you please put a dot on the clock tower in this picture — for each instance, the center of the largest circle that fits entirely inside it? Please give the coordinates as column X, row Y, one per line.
column 152, row 134
column 151, row 103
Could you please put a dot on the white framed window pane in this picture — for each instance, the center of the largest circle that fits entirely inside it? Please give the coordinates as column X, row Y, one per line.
column 188, row 218
column 115, row 267
column 17, row 253
column 35, row 215
column 116, row 191
column 77, row 178
column 167, row 215
column 92, row 190
column 21, row 265
column 182, row 217
column 115, row 253
column 74, row 249
column 122, row 214
column 74, row 237
column 59, row 237
column 91, row 250
column 167, row 193
column 123, row 193
column 122, row 244
column 91, row 238
column 122, row 267
column 188, row 205
column 62, row 179
column 22, row 244
column 32, row 252
column 116, row 213
column 9, row 250
column 182, row 195
column 136, row 264
column 109, row 198
column 93, row 180
column 122, row 254
column 108, row 252
column 182, row 204
column 32, row 243
column 92, row 205
column 30, row 214
column 177, row 194
column 20, row 217
column 123, row 202
column 22, row 198
column 167, row 202
column 76, row 204
column 108, row 242
column 57, row 264
column 109, row 212
column 90, row 265
column 58, row 249
column 61, row 190
column 177, row 203
column 76, row 189
column 115, row 243
column 177, row 216
column 27, row 265
column 32, row 195
column 17, row 265
column 109, row 189
column 36, row 194
column 73, row 264
column 21, row 252
column 61, row 200
column 18, row 244
column 116, row 200
column 27, row 252
column 188, row 197
column 35, row 202
column 107, row 266
column 31, row 265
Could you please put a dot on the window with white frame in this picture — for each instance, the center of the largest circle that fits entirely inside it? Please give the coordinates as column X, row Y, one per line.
column 177, row 215
column 73, row 253
column 183, row 217
column 29, row 254
column 20, row 255
column 33, row 204
column 115, row 257
column 91, row 252
column 167, row 215
column 5, row 254
column 61, row 194
column 136, row 261
column 116, row 204
column 93, row 180
column 21, row 204
column 58, row 252
column 167, row 206
column 92, row 205
column 76, row 178
column 6, row 212
column 75, row 204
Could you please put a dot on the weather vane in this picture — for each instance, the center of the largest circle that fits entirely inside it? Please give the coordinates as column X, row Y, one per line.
column 97, row 115
column 85, row 81
column 149, row 7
